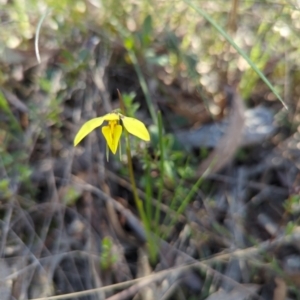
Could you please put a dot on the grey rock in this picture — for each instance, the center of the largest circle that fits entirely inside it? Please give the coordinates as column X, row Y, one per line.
column 259, row 126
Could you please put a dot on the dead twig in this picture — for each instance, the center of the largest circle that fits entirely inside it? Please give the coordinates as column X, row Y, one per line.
column 230, row 141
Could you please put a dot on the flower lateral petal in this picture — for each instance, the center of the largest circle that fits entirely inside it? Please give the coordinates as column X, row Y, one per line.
column 136, row 127
column 87, row 128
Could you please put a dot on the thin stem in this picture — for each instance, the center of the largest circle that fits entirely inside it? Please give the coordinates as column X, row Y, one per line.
column 161, row 171
column 138, row 202
column 148, row 188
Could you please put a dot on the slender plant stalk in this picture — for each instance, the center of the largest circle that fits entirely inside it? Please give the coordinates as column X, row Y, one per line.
column 139, row 204
column 161, row 172
column 148, row 188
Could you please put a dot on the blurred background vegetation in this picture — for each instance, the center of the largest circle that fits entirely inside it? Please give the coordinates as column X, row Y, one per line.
column 219, row 182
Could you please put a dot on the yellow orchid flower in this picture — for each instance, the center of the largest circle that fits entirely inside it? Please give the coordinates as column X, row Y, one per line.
column 113, row 130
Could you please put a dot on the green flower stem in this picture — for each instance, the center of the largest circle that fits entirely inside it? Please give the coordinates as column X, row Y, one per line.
column 161, row 171
column 148, row 188
column 139, row 204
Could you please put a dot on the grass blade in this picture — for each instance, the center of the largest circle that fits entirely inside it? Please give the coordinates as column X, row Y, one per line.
column 236, row 47
column 37, row 34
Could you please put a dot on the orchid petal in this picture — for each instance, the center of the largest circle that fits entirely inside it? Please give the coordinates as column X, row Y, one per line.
column 87, row 128
column 90, row 125
column 112, row 136
column 136, row 128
